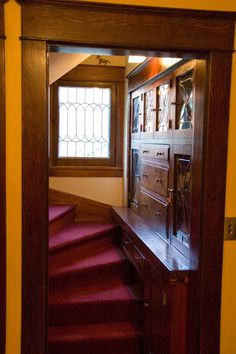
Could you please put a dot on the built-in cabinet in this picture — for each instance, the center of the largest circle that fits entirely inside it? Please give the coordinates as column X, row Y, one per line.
column 156, row 229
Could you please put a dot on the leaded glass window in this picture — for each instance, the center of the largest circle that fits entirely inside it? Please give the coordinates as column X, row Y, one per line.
column 163, row 107
column 135, row 179
column 148, row 108
column 184, row 106
column 84, row 122
column 182, row 208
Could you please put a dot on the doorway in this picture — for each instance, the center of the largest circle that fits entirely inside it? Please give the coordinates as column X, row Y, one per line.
column 154, row 30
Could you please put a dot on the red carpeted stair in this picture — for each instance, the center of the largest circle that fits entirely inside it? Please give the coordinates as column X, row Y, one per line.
column 92, row 305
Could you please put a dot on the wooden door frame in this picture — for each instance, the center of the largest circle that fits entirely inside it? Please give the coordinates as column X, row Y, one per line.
column 2, row 185
column 86, row 24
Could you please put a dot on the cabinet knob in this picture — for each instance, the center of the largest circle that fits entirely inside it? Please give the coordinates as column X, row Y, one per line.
column 157, row 213
column 158, row 179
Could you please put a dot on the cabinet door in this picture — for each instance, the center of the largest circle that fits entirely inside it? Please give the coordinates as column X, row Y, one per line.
column 157, row 336
column 136, row 114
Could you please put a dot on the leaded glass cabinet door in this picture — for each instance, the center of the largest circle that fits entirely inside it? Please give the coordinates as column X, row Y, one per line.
column 136, row 114
column 149, row 103
column 135, row 179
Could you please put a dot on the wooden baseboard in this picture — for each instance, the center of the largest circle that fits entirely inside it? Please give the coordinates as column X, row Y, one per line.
column 86, row 210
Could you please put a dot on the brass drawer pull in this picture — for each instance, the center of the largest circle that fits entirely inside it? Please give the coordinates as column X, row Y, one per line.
column 146, row 304
column 145, row 175
column 127, row 242
column 145, row 151
column 157, row 213
column 159, row 153
column 158, row 180
column 138, row 259
column 144, row 204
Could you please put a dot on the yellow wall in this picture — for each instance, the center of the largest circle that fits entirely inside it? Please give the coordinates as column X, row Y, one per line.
column 13, row 134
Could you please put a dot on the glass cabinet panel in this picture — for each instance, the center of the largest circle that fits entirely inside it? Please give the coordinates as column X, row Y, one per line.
column 148, row 111
column 163, row 107
column 182, row 210
column 136, row 114
column 184, row 100
column 135, row 178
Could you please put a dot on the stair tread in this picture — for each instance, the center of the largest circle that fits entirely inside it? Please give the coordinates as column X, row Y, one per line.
column 76, row 233
column 55, row 211
column 69, row 263
column 114, row 290
column 90, row 332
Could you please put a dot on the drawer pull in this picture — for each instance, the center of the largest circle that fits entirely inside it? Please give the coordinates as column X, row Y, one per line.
column 146, row 304
column 127, row 242
column 138, row 259
column 159, row 153
column 157, row 213
column 144, row 204
column 145, row 151
column 158, row 180
column 145, row 175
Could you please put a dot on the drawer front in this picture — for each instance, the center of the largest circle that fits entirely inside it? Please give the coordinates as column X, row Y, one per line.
column 132, row 252
column 155, row 151
column 155, row 213
column 154, row 178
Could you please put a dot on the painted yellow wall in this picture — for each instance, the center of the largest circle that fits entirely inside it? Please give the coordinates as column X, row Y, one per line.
column 13, row 134
column 13, row 174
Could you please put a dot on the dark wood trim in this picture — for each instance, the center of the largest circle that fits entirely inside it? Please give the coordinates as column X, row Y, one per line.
column 153, row 31
column 131, row 25
column 213, row 203
column 85, row 171
column 86, row 210
column 2, row 191
column 229, row 15
column 35, row 197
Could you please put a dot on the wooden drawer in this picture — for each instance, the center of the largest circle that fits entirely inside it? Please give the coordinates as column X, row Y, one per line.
column 155, row 151
column 132, row 252
column 154, row 178
column 155, row 213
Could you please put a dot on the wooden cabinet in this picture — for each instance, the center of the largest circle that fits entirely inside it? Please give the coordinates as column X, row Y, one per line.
column 162, row 152
column 165, row 296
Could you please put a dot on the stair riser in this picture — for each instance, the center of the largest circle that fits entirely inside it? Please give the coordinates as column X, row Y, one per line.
column 61, row 222
column 94, row 313
column 84, row 245
column 114, row 346
column 90, row 276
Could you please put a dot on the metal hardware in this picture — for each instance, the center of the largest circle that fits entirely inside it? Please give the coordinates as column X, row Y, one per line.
column 160, row 153
column 144, row 204
column 139, row 114
column 157, row 213
column 138, row 259
column 127, row 242
column 146, row 304
column 145, row 151
column 164, row 298
column 145, row 175
column 158, row 179
column 230, row 229
column 170, row 196
column 156, row 109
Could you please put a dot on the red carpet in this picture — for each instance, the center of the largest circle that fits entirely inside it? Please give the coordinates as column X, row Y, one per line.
column 91, row 306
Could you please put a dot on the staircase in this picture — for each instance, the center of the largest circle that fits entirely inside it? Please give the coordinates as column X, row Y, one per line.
column 93, row 306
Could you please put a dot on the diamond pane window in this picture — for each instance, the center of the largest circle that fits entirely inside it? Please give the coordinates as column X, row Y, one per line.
column 84, row 122
column 163, row 107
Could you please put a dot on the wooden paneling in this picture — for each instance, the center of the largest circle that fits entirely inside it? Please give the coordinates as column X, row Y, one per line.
column 132, row 27
column 35, row 198
column 86, row 210
column 2, row 188
column 95, row 73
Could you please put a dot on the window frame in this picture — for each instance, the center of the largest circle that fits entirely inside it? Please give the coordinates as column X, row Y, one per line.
column 88, row 167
